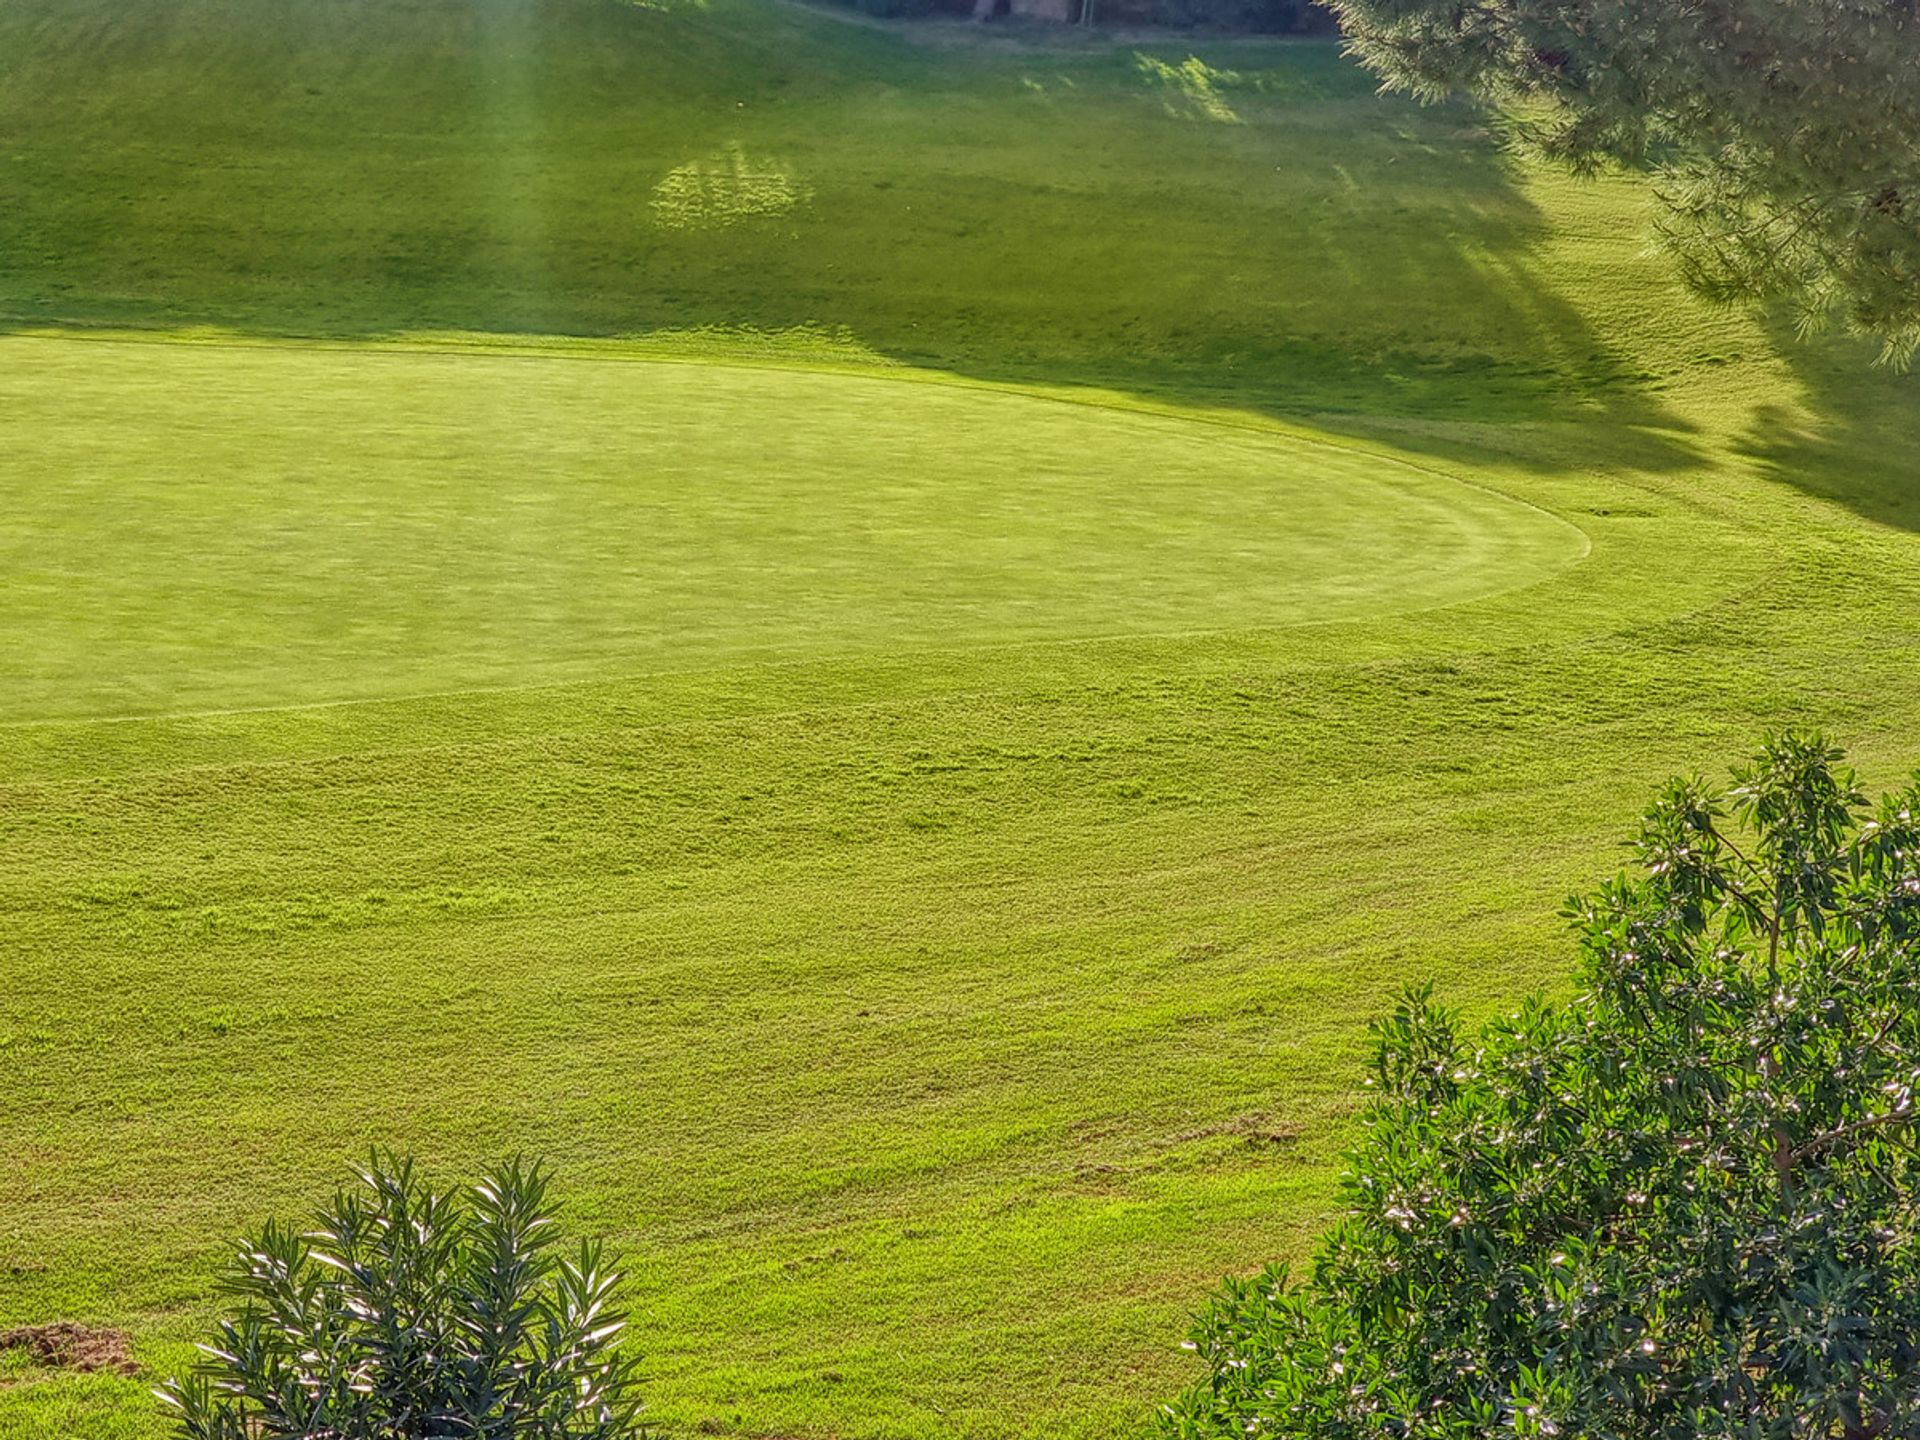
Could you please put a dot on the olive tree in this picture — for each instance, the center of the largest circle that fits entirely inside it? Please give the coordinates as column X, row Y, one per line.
column 1685, row 1203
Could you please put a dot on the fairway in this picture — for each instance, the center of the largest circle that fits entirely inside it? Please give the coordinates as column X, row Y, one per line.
column 881, row 641
column 362, row 524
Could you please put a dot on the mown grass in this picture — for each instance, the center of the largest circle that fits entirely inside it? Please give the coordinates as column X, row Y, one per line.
column 916, row 854
column 375, row 524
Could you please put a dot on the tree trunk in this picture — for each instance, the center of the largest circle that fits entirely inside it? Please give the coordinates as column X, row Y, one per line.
column 983, row 9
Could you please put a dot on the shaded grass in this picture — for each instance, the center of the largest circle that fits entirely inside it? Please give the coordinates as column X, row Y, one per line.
column 931, row 1000
column 1017, row 212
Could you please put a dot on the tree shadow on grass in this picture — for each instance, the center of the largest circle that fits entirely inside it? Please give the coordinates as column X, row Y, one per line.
column 1253, row 228
column 1854, row 437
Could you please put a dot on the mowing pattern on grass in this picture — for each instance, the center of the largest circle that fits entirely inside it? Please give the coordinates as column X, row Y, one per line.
column 932, row 1014
column 197, row 527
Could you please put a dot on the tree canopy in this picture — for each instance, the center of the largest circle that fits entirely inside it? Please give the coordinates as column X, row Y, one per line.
column 1785, row 134
column 1684, row 1204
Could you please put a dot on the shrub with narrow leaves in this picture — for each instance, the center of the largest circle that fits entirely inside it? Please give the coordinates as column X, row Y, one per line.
column 1685, row 1204
column 407, row 1312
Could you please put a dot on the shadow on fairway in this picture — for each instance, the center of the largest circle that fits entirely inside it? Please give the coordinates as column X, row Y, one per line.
column 1254, row 229
column 1856, row 436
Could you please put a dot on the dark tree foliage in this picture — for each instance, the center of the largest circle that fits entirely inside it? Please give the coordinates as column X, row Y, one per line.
column 407, row 1312
column 1785, row 133
column 1685, row 1204
column 1259, row 17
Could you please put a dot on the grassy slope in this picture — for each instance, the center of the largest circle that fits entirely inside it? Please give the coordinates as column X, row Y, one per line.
column 929, row 1021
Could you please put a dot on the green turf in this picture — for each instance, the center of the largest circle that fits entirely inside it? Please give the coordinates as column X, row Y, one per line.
column 928, row 627
column 360, row 525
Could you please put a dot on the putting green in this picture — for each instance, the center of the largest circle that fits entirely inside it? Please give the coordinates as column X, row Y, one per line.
column 212, row 526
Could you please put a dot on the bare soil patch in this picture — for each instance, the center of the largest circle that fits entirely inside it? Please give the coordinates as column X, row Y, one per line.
column 66, row 1346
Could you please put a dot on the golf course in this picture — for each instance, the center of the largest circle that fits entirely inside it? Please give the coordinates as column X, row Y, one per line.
column 880, row 639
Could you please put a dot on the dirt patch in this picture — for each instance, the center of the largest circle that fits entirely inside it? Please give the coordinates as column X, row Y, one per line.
column 1254, row 1129
column 65, row 1346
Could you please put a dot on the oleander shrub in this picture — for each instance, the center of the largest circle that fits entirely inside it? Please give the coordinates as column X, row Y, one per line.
column 1684, row 1204
column 404, row 1311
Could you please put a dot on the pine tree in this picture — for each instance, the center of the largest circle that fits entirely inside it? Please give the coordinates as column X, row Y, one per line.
column 1784, row 134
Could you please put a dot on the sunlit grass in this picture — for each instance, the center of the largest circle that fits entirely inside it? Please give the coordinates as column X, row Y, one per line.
column 725, row 188
column 1193, row 87
column 358, row 525
column 898, row 738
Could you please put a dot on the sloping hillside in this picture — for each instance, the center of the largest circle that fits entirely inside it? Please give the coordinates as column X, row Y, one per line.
column 880, row 642
column 1250, row 219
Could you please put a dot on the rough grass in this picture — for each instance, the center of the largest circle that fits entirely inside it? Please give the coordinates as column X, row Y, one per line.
column 936, row 942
